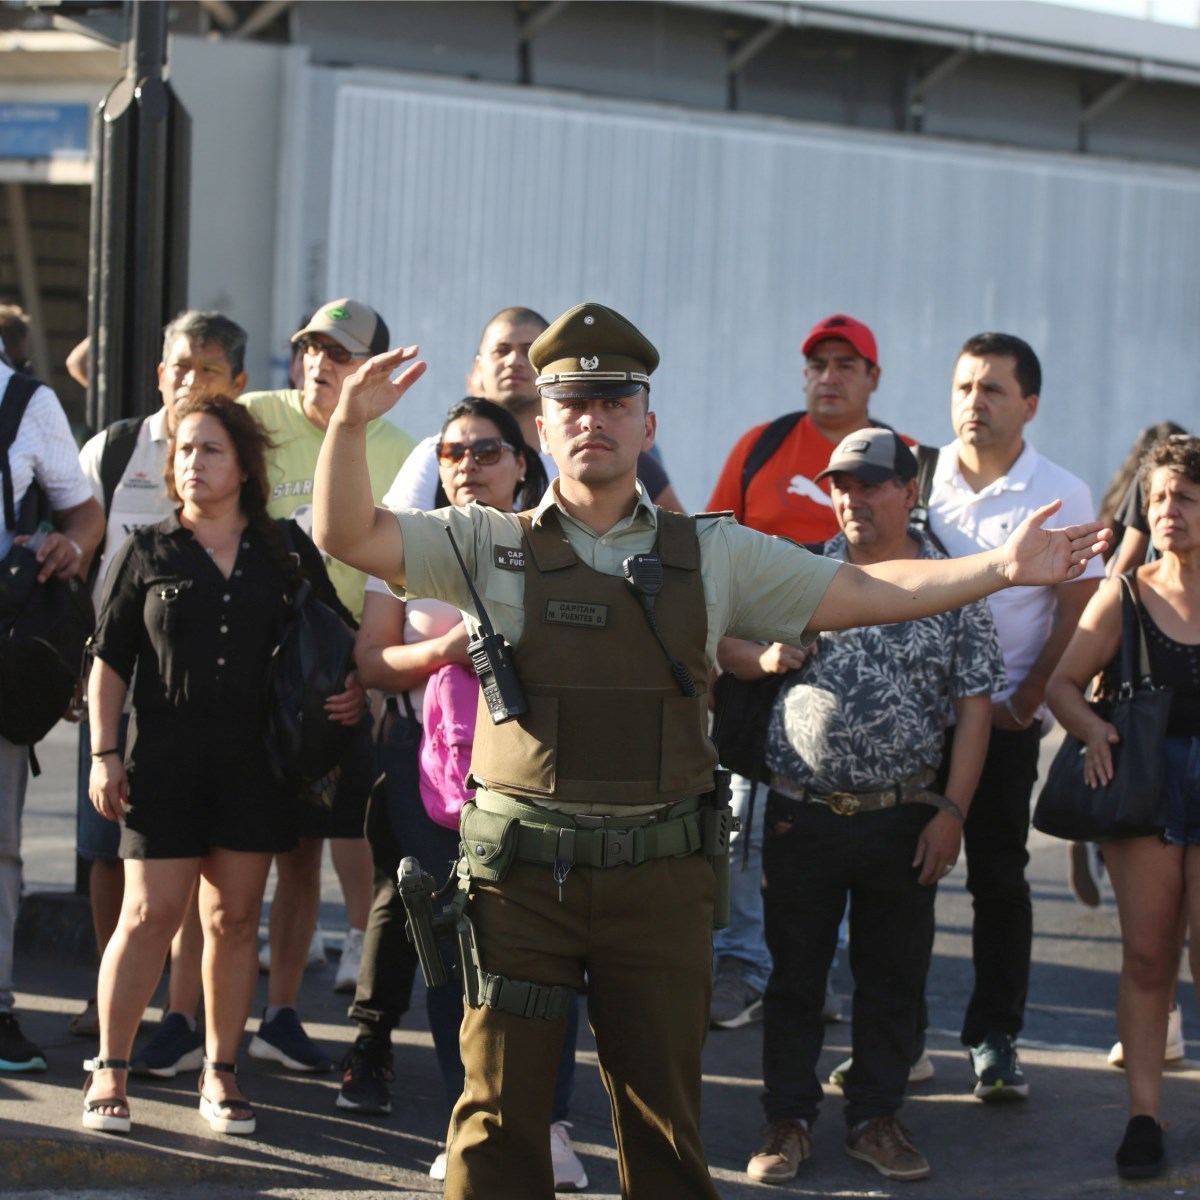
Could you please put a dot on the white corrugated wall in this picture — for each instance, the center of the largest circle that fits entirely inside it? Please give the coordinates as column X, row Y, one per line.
column 725, row 238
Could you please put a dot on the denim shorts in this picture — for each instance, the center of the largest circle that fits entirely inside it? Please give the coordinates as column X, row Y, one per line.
column 96, row 837
column 1182, row 787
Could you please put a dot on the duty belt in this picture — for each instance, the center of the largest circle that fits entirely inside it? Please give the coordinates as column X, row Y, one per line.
column 846, row 804
column 547, row 837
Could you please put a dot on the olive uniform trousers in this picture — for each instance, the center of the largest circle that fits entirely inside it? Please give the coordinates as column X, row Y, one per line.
column 640, row 939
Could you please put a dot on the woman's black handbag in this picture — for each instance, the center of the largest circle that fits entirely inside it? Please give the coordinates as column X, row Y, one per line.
column 1131, row 804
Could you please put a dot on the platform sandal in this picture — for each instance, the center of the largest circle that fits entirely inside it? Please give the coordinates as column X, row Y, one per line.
column 225, row 1116
column 93, row 1118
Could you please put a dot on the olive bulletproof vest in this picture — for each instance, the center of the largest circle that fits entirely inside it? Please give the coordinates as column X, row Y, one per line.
column 607, row 723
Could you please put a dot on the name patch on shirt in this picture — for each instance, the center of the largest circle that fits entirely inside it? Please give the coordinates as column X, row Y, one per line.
column 510, row 558
column 576, row 612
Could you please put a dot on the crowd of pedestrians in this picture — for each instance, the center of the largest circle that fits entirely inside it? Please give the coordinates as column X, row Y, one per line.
column 893, row 749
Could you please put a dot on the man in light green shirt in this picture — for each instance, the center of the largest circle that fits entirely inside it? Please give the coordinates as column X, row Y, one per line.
column 604, row 887
column 341, row 335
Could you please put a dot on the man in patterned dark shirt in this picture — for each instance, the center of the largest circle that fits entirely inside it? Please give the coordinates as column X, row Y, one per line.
column 855, row 739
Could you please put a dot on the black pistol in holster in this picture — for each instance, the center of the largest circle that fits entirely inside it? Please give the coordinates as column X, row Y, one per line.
column 717, row 827
column 417, row 890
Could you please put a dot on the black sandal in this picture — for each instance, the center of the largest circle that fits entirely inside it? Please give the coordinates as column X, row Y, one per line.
column 93, row 1118
column 225, row 1116
column 1141, row 1152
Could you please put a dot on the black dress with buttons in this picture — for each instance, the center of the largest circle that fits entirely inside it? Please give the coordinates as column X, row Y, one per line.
column 198, row 772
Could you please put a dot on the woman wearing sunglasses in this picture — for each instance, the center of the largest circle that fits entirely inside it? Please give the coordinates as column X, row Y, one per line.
column 484, row 459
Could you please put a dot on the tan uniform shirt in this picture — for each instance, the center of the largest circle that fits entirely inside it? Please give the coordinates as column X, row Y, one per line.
column 755, row 587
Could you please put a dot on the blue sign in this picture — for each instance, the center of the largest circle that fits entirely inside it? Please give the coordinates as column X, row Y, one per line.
column 44, row 130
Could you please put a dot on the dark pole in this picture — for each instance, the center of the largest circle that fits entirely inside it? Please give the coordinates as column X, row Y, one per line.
column 138, row 253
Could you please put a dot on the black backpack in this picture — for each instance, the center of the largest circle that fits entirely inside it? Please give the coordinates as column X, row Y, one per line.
column 314, row 655
column 42, row 639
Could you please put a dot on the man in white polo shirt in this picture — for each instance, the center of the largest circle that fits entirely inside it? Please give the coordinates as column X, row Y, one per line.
column 986, row 483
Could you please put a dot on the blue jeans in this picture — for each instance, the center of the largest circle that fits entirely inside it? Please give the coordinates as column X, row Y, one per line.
column 743, row 938
column 14, row 775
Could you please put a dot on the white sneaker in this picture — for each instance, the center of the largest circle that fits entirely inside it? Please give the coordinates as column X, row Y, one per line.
column 351, row 962
column 437, row 1169
column 315, row 959
column 1174, row 1050
column 919, row 1072
column 569, row 1175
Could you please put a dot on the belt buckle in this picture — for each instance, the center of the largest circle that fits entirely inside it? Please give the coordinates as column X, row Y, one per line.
column 845, row 804
column 618, row 846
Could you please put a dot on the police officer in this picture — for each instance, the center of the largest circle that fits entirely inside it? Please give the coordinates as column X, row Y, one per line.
column 592, row 843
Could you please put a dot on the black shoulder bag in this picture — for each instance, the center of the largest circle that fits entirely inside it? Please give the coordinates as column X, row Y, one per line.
column 1131, row 804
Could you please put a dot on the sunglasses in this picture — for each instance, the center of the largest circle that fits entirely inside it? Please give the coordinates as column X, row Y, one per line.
column 334, row 351
column 484, row 451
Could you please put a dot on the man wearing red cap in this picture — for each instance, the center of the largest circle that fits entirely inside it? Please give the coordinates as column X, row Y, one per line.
column 769, row 483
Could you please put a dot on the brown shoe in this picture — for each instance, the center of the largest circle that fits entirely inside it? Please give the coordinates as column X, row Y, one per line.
column 785, row 1145
column 883, row 1142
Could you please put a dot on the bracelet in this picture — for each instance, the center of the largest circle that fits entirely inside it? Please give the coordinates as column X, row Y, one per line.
column 1012, row 712
column 106, row 753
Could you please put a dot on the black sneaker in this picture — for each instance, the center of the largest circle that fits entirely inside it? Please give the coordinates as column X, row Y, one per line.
column 998, row 1069
column 1141, row 1153
column 367, row 1077
column 17, row 1052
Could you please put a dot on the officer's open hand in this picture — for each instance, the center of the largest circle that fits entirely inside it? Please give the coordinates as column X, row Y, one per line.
column 371, row 391
column 1037, row 556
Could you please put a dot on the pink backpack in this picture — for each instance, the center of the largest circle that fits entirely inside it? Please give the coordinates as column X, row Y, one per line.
column 448, row 717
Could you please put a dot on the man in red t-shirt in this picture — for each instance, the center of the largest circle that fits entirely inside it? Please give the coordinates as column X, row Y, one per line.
column 841, row 370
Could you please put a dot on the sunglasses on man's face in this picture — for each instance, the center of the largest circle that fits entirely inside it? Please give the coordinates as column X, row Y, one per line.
column 334, row 351
column 484, row 451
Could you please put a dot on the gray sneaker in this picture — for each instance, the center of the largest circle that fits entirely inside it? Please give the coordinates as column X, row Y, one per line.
column 734, row 1002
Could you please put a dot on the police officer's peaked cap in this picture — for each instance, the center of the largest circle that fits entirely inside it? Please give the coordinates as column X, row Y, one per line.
column 592, row 351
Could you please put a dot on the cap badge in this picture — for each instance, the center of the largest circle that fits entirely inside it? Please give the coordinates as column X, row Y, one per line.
column 856, row 447
column 590, row 364
column 337, row 313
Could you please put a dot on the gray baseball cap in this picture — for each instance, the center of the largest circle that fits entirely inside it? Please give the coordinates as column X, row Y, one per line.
column 875, row 455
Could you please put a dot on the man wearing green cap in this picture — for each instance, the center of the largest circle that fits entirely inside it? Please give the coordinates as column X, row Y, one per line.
column 592, row 843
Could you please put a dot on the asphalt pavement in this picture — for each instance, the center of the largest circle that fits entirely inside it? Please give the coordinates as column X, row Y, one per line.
column 1059, row 1143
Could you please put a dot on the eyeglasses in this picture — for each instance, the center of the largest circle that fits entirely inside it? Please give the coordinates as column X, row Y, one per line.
column 334, row 351
column 484, row 451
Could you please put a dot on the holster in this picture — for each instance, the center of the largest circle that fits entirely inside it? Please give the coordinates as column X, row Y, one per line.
column 718, row 824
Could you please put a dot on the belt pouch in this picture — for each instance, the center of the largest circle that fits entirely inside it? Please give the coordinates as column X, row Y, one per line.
column 489, row 842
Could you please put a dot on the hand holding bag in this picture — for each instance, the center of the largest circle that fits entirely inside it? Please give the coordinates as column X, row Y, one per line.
column 1130, row 804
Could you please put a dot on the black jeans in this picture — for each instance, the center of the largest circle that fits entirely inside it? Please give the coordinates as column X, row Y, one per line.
column 812, row 860
column 994, row 837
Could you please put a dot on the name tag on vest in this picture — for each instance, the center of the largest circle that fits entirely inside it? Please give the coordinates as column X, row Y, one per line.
column 574, row 612
column 510, row 558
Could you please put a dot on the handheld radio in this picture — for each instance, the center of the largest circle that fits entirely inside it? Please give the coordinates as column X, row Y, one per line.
column 492, row 660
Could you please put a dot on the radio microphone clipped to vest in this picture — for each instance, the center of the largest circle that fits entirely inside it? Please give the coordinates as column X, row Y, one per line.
column 644, row 573
column 490, row 656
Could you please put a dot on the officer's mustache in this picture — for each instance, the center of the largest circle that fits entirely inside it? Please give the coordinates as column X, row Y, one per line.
column 592, row 439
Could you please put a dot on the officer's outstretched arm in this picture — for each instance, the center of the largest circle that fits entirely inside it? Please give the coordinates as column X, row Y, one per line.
column 346, row 522
column 908, row 588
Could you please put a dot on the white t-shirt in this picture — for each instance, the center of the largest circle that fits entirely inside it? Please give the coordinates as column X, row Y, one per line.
column 44, row 449
column 967, row 521
column 140, row 497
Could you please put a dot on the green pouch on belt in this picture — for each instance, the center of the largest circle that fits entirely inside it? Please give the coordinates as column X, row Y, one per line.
column 489, row 841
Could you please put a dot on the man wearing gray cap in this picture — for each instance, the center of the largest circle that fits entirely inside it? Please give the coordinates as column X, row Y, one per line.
column 854, row 742
column 594, row 846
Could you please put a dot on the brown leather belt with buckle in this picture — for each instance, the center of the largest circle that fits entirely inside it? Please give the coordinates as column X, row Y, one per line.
column 846, row 804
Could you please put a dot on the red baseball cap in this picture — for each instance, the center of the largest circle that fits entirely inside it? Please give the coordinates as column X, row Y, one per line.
column 849, row 330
